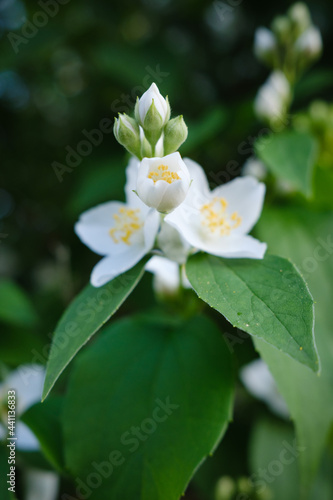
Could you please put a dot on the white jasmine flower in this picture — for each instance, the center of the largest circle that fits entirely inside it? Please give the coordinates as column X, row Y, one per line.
column 163, row 183
column 264, row 43
column 166, row 276
column 272, row 98
column 41, row 485
column 310, row 43
column 259, row 381
column 27, row 381
column 152, row 95
column 217, row 222
column 122, row 232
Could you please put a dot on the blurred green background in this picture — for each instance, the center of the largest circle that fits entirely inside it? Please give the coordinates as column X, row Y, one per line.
column 87, row 63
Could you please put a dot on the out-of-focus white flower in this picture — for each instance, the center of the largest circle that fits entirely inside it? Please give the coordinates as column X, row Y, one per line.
column 150, row 97
column 259, row 381
column 310, row 43
column 272, row 98
column 122, row 232
column 254, row 167
column 265, row 43
column 218, row 221
column 299, row 15
column 166, row 275
column 41, row 485
column 27, row 381
column 172, row 244
column 163, row 183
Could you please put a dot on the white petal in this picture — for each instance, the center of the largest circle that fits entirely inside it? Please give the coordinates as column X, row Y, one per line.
column 152, row 192
column 132, row 171
column 244, row 195
column 94, row 225
column 173, row 196
column 166, row 279
column 26, row 439
column 27, row 381
column 166, row 274
column 239, row 246
column 93, row 228
column 112, row 266
column 259, row 381
column 146, row 101
column 199, row 188
column 160, row 194
column 41, row 485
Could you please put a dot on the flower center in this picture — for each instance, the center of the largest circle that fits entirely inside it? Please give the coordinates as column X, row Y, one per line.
column 216, row 218
column 163, row 174
column 127, row 223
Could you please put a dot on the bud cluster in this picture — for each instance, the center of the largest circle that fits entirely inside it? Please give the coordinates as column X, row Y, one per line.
column 291, row 45
column 150, row 133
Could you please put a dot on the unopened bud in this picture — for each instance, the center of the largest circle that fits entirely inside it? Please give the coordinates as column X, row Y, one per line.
column 175, row 133
column 300, row 17
column 127, row 133
column 265, row 44
column 152, row 112
column 310, row 43
column 281, row 27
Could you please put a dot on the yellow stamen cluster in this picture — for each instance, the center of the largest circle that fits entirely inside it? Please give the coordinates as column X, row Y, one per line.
column 215, row 217
column 163, row 174
column 127, row 223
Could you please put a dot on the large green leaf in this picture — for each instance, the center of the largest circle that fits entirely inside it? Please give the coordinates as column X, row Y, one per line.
column 44, row 419
column 157, row 395
column 306, row 237
column 266, row 298
column 15, row 306
column 84, row 316
column 291, row 157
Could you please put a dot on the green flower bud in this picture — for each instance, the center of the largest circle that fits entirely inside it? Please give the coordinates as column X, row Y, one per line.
column 281, row 27
column 146, row 149
column 127, row 133
column 300, row 17
column 175, row 133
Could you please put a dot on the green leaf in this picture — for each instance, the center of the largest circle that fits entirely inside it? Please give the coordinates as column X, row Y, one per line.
column 274, row 457
column 44, row 419
column 266, row 298
column 290, row 156
column 157, row 396
column 323, row 188
column 15, row 306
column 84, row 317
column 306, row 237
